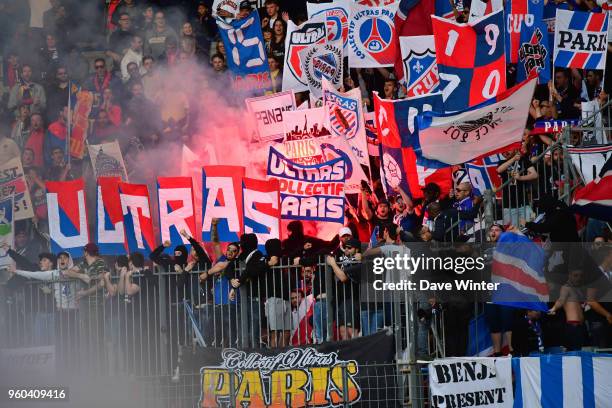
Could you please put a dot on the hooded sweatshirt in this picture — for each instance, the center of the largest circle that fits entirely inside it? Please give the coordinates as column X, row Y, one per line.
column 179, row 283
column 255, row 266
column 277, row 281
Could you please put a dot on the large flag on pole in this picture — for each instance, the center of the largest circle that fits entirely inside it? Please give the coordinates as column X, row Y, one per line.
column 484, row 130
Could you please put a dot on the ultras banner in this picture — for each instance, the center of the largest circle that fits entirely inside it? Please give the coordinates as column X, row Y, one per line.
column 298, row 377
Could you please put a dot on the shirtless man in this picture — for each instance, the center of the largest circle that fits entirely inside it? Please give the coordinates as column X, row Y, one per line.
column 570, row 298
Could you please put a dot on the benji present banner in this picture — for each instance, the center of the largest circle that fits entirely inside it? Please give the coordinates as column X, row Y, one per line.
column 176, row 209
column 137, row 217
column 13, row 183
column 471, row 381
column 7, row 230
column 298, row 38
column 313, row 192
column 222, row 199
column 419, row 62
column 246, row 55
column 268, row 112
column 581, row 40
column 110, row 234
column 322, row 62
column 336, row 17
column 67, row 215
column 107, row 160
column 465, row 136
column 345, row 114
column 471, row 60
column 262, row 213
column 372, row 38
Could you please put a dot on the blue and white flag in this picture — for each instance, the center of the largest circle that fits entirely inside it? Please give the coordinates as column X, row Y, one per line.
column 570, row 380
column 518, row 268
column 482, row 130
column 581, row 39
column 419, row 62
column 246, row 55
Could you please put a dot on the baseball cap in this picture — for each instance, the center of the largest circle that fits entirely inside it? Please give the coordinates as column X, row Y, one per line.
column 91, row 249
column 353, row 242
column 245, row 5
column 345, row 231
column 433, row 187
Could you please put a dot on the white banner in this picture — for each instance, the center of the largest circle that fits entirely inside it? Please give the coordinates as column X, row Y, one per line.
column 305, row 124
column 419, row 62
column 336, row 16
column 13, row 183
column 468, row 381
column 322, row 61
column 581, row 39
column 7, row 230
column 107, row 160
column 590, row 160
column 268, row 111
column 460, row 138
column 345, row 115
column 371, row 36
column 298, row 38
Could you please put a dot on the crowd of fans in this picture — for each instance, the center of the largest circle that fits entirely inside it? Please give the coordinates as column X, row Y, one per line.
column 135, row 61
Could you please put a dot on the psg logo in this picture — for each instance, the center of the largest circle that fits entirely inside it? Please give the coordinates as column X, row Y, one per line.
column 336, row 20
column 376, row 35
column 371, row 37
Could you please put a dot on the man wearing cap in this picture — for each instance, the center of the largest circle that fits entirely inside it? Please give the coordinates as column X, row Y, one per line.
column 345, row 235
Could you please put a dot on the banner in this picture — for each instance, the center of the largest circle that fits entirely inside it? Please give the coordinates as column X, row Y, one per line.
column 471, row 381
column 137, row 218
column 319, row 62
column 552, row 126
column 80, row 121
column 268, row 111
column 595, row 199
column 7, row 230
column 419, row 62
column 222, row 199
column 590, row 160
column 110, row 233
column 13, row 183
column 534, row 53
column 298, row 38
column 581, row 39
column 246, row 55
column 576, row 379
column 465, row 136
column 261, row 205
column 176, row 210
column 520, row 15
column 107, row 160
column 483, row 174
column 305, row 124
column 67, row 214
column 471, row 60
column 372, row 40
column 313, row 192
column 297, row 376
column 336, row 17
column 591, row 117
column 345, row 115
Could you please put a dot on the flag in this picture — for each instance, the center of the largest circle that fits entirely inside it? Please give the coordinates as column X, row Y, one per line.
column 471, row 60
column 444, row 8
column 570, row 380
column 371, row 135
column 176, row 210
column 67, row 215
column 520, row 15
column 595, row 199
column 107, row 160
column 110, row 233
column 322, row 62
column 313, row 31
column 589, row 161
column 13, row 183
column 479, row 337
column 262, row 213
column 483, row 173
column 247, row 60
column 137, row 219
column 268, row 112
column 372, row 39
column 534, row 53
column 222, row 199
column 7, row 230
column 345, row 114
column 552, row 126
column 419, row 64
column 336, row 17
column 484, row 130
column 581, row 39
column 518, row 267
column 82, row 102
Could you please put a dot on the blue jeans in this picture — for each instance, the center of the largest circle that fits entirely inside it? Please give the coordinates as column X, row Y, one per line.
column 44, row 328
column 320, row 320
column 371, row 321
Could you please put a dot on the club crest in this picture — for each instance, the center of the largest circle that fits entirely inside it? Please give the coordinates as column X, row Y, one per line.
column 421, row 73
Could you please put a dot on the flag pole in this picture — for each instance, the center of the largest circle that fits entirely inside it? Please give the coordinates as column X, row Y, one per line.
column 69, row 121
